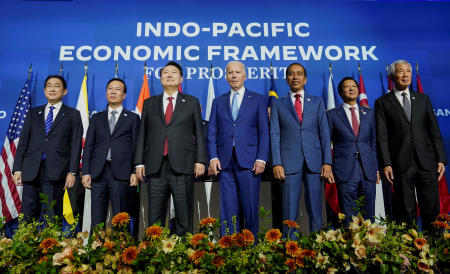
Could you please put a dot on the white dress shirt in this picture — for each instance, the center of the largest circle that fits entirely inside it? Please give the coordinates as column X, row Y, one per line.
column 349, row 112
column 55, row 110
column 119, row 110
column 240, row 96
column 398, row 94
column 166, row 100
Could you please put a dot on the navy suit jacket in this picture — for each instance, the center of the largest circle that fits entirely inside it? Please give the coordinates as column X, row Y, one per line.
column 62, row 144
column 345, row 144
column 122, row 142
column 250, row 130
column 289, row 137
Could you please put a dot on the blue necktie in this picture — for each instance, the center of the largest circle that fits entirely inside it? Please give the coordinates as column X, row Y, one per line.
column 48, row 124
column 234, row 105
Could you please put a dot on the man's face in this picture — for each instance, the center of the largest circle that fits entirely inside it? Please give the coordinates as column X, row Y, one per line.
column 115, row 92
column 296, row 78
column 236, row 75
column 171, row 77
column 54, row 90
column 349, row 91
column 402, row 76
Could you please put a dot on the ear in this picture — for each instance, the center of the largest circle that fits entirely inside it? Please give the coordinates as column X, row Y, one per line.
column 65, row 92
column 306, row 80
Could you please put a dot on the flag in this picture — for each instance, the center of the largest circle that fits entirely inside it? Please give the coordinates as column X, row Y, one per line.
column 10, row 195
column 390, row 83
column 144, row 94
column 444, row 196
column 362, row 92
column 331, row 195
column 180, row 89
column 273, row 90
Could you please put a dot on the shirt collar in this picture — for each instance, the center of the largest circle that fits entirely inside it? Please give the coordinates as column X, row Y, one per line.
column 57, row 105
column 302, row 93
column 165, row 96
column 399, row 92
column 119, row 109
column 347, row 106
column 240, row 91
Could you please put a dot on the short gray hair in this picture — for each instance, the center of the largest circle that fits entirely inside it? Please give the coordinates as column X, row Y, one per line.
column 398, row 62
column 236, row 62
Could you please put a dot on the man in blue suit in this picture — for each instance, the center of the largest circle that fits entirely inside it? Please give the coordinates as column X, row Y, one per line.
column 300, row 144
column 109, row 153
column 238, row 145
column 352, row 130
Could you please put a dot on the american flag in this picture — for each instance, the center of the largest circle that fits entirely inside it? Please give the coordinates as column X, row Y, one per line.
column 10, row 195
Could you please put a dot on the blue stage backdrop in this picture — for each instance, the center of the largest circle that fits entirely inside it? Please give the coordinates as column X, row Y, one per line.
column 202, row 33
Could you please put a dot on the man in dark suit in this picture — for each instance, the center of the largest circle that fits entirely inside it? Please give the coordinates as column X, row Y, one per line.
column 238, row 145
column 48, row 154
column 300, row 143
column 171, row 149
column 352, row 130
column 410, row 148
column 108, row 167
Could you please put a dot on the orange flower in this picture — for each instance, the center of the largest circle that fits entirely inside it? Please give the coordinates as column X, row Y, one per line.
column 143, row 245
column 153, row 232
column 196, row 256
column 248, row 236
column 129, row 254
column 121, row 219
column 419, row 243
column 226, row 241
column 441, row 224
column 218, row 261
column 423, row 266
column 445, row 251
column 291, row 224
column 43, row 259
column 208, row 221
column 47, row 244
column 308, row 253
column 273, row 235
column 239, row 240
column 109, row 245
column 291, row 248
column 300, row 262
column 197, row 239
column 291, row 264
column 211, row 246
column 443, row 217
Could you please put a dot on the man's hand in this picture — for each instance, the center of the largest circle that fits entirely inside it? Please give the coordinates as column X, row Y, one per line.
column 389, row 174
column 140, row 173
column 278, row 173
column 133, row 180
column 18, row 178
column 258, row 167
column 440, row 170
column 86, row 180
column 327, row 174
column 70, row 181
column 199, row 169
column 214, row 167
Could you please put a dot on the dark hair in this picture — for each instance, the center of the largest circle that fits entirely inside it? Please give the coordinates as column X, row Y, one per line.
column 175, row 64
column 293, row 64
column 58, row 77
column 120, row 80
column 341, row 83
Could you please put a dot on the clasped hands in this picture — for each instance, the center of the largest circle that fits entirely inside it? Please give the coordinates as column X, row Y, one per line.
column 326, row 174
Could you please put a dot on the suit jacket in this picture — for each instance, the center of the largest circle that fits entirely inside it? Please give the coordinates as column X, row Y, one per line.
column 397, row 137
column 122, row 142
column 250, row 131
column 62, row 145
column 289, row 138
column 186, row 141
column 346, row 145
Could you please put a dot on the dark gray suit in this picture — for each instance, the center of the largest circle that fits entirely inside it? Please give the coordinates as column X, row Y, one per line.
column 171, row 174
column 62, row 147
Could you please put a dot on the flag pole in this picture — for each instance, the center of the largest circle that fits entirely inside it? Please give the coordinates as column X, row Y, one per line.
column 359, row 68
column 387, row 69
column 85, row 68
column 117, row 69
column 61, row 69
column 145, row 67
column 330, row 68
column 417, row 68
column 29, row 71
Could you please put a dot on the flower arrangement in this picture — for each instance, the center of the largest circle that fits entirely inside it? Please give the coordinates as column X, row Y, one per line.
column 363, row 246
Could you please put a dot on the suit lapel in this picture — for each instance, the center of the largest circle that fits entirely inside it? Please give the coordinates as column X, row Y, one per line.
column 228, row 104
column 413, row 96
column 122, row 118
column 105, row 120
column 61, row 114
column 160, row 107
column 362, row 119
column 41, row 117
column 244, row 104
column 290, row 106
column 341, row 113
column 394, row 101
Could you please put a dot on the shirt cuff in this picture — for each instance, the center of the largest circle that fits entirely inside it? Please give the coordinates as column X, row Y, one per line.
column 213, row 159
column 139, row 166
column 262, row 161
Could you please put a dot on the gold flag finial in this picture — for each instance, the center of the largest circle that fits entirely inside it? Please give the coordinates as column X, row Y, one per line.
column 417, row 68
column 359, row 68
column 29, row 71
column 61, row 69
column 330, row 68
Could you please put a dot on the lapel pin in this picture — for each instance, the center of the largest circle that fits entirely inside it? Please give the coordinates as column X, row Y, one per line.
column 40, row 112
column 307, row 99
column 364, row 112
column 125, row 114
column 414, row 98
column 182, row 100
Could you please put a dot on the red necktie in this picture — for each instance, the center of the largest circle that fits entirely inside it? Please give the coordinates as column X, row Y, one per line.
column 169, row 112
column 298, row 107
column 355, row 124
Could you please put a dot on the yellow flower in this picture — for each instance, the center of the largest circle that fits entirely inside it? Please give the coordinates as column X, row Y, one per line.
column 273, row 235
column 413, row 232
column 341, row 216
column 168, row 245
column 406, row 237
column 360, row 251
